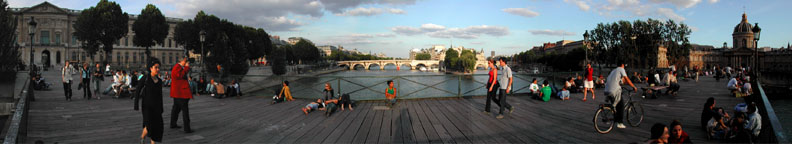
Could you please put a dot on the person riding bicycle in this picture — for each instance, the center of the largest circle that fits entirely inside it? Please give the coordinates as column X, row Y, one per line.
column 613, row 91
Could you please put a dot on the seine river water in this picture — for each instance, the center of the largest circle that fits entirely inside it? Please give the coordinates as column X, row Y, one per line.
column 371, row 84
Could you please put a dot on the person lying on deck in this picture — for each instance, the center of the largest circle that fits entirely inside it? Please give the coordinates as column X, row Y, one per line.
column 317, row 105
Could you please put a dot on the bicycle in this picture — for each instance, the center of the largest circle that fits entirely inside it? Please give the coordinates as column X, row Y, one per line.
column 604, row 117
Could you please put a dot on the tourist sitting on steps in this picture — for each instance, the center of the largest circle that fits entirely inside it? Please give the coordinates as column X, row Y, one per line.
column 220, row 91
column 546, row 91
column 285, row 93
column 733, row 85
column 564, row 94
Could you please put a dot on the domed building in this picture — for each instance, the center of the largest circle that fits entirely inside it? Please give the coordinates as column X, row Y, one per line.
column 743, row 46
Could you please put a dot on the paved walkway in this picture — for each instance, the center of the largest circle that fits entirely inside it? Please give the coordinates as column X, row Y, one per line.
column 252, row 119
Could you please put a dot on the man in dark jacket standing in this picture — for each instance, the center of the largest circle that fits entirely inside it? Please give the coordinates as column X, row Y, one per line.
column 180, row 92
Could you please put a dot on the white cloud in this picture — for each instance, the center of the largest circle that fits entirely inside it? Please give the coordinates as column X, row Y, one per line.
column 405, row 30
column 580, row 4
column 551, row 32
column 430, row 27
column 439, row 31
column 271, row 15
column 713, row 1
column 679, row 3
column 370, row 11
column 337, row 6
column 386, row 35
column 668, row 13
column 521, row 12
column 478, row 43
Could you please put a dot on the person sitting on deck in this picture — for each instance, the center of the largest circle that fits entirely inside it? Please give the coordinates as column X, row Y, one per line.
column 285, row 93
column 564, row 94
column 534, row 88
column 733, row 85
column 578, row 84
column 327, row 92
column 210, row 87
column 673, row 85
column 390, row 94
column 569, row 84
column 754, row 121
column 712, row 120
column 547, row 91
column 746, row 89
column 220, row 90
column 659, row 134
column 637, row 77
column 232, row 89
column 345, row 101
column 600, row 81
column 678, row 136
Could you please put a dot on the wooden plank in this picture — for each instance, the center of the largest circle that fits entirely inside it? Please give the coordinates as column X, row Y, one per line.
column 419, row 135
column 428, row 126
column 344, row 125
column 376, row 126
column 444, row 135
column 365, row 127
column 354, row 127
column 453, row 131
column 385, row 135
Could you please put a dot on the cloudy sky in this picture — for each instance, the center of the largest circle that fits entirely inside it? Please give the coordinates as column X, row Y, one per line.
column 505, row 26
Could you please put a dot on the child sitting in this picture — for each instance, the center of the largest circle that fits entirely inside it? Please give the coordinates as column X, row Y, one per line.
column 564, row 94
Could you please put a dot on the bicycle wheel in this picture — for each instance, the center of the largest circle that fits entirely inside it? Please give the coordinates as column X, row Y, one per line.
column 635, row 113
column 603, row 120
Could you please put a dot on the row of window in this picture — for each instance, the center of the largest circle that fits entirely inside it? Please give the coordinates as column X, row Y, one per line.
column 44, row 39
column 167, row 58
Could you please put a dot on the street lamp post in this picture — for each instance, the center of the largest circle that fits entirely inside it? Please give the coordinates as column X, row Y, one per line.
column 756, row 30
column 203, row 38
column 585, row 44
column 31, row 31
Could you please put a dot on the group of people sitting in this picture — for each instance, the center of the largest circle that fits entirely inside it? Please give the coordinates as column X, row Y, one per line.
column 214, row 88
column 742, row 127
column 122, row 83
column 739, row 86
column 329, row 102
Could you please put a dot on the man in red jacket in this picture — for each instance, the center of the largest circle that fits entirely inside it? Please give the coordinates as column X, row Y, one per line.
column 180, row 92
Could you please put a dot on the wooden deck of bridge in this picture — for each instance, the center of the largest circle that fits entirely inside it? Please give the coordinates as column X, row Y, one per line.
column 251, row 119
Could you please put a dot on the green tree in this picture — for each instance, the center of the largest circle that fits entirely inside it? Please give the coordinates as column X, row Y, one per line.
column 423, row 56
column 104, row 23
column 450, row 59
column 150, row 28
column 306, row 51
column 9, row 52
column 467, row 61
column 614, row 42
column 279, row 61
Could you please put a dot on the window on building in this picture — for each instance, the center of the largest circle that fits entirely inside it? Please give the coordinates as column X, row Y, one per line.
column 118, row 42
column 57, row 38
column 44, row 37
column 134, row 57
column 57, row 57
column 118, row 58
column 126, row 41
column 142, row 58
column 82, row 56
column 74, row 56
column 74, row 40
column 169, row 42
column 126, row 57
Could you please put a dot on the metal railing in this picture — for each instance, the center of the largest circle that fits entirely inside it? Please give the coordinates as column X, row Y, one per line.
column 17, row 129
column 768, row 114
column 407, row 86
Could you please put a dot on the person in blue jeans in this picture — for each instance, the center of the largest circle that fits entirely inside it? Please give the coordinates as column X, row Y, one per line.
column 390, row 94
column 505, row 80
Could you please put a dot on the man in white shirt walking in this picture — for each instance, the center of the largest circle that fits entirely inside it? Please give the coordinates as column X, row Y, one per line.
column 66, row 78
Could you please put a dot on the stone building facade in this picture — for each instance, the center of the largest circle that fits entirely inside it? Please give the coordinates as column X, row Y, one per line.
column 54, row 42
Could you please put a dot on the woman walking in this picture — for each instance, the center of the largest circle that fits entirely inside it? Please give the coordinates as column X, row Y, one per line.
column 150, row 91
column 492, row 85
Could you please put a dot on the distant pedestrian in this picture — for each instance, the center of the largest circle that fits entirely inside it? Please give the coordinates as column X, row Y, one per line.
column 180, row 92
column 588, row 84
column 149, row 91
column 66, row 78
column 85, row 74
column 98, row 78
